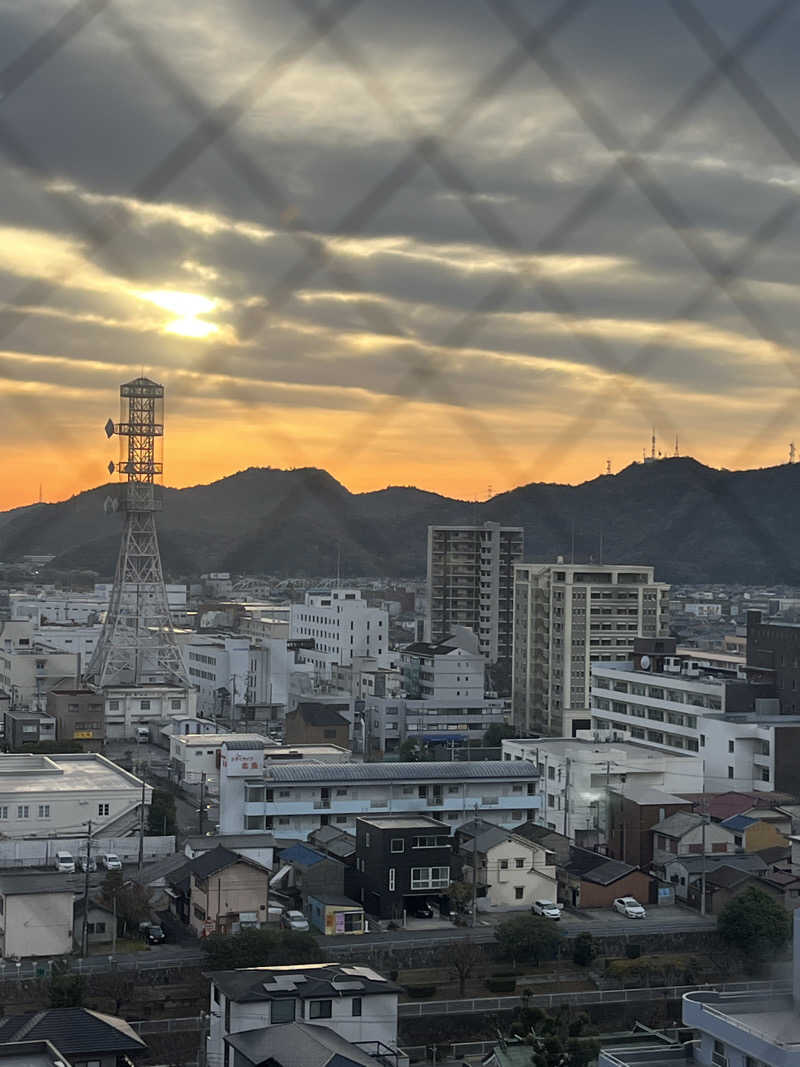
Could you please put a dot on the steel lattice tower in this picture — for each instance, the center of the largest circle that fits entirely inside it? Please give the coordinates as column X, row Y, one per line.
column 138, row 644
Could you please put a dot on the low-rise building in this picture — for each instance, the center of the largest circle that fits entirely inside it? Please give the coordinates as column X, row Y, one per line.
column 306, row 872
column 79, row 713
column 450, row 669
column 400, row 862
column 127, row 707
column 332, row 915
column 81, row 1035
column 311, row 1046
column 227, row 893
column 632, row 814
column 510, row 871
column 753, row 834
column 685, row 873
column 389, row 721
column 56, row 796
column 590, row 880
column 313, row 723
column 35, row 915
column 295, row 799
column 26, row 726
column 355, row 1002
column 688, row 834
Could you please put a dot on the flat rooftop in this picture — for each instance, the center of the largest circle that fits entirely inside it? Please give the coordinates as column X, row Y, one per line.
column 639, row 749
column 773, row 1018
column 30, row 773
column 404, row 822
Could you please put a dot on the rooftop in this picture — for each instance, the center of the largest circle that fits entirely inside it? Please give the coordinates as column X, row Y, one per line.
column 204, row 740
column 678, row 824
column 306, row 980
column 594, row 867
column 320, row 715
column 31, row 1054
column 590, row 747
column 405, row 822
column 404, row 772
column 77, row 1032
column 29, row 773
column 773, row 1018
column 298, row 1045
column 20, row 884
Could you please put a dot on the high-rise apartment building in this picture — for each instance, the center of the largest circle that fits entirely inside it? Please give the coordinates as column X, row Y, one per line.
column 471, row 583
column 568, row 616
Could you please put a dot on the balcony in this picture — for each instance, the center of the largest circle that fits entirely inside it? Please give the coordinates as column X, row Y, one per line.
column 322, row 805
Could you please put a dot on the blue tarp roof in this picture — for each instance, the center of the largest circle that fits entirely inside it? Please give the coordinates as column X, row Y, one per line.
column 738, row 822
column 301, row 854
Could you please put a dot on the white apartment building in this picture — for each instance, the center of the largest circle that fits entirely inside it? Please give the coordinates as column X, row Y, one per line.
column 575, row 776
column 389, row 721
column 56, row 606
column 452, row 669
column 355, row 1002
column 127, row 707
column 689, row 708
column 194, row 755
column 342, row 627
column 56, row 796
column 568, row 616
column 226, row 671
column 28, row 674
column 294, row 800
column 263, row 622
column 471, row 584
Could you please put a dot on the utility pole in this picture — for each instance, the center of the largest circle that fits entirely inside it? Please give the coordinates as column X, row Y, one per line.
column 114, row 926
column 608, row 805
column 201, row 809
column 566, row 799
column 141, row 819
column 475, row 871
column 85, row 930
column 703, row 875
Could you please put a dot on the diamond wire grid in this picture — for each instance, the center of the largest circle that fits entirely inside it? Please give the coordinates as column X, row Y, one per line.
column 214, row 128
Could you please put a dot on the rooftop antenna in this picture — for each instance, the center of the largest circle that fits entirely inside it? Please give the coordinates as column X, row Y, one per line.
column 677, row 452
column 792, row 454
column 40, row 486
column 608, row 466
column 488, row 492
column 653, row 444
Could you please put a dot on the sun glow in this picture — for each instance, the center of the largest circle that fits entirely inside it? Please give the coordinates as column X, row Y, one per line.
column 187, row 307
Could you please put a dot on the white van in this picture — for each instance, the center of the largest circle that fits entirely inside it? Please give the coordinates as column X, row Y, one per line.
column 142, row 735
column 109, row 861
column 65, row 862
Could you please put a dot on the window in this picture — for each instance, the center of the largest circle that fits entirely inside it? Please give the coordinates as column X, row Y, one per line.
column 4, row 811
column 430, row 877
column 518, row 892
column 397, row 845
column 503, row 865
column 391, row 879
column 44, row 811
column 99, row 928
column 144, row 705
column 103, row 809
column 730, row 772
column 22, row 811
column 519, row 862
column 282, row 1011
column 175, row 704
column 356, row 1005
column 341, row 792
column 730, row 746
column 765, row 774
column 199, row 913
column 319, row 1009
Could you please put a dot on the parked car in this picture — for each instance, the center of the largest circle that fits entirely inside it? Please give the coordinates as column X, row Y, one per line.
column 548, row 908
column 295, row 920
column 629, row 907
column 90, row 861
column 152, row 933
column 423, row 911
column 110, row 861
column 64, row 862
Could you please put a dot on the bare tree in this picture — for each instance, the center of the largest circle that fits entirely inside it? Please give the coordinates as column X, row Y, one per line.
column 461, row 958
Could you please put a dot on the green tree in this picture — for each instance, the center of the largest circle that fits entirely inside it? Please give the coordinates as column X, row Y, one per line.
column 132, row 900
column 754, row 925
column 460, row 894
column 495, row 734
column 412, row 752
column 528, row 938
column 161, row 818
column 262, row 947
column 461, row 958
column 563, row 1037
column 65, row 989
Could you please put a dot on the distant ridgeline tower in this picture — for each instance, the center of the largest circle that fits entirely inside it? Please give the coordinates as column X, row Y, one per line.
column 138, row 644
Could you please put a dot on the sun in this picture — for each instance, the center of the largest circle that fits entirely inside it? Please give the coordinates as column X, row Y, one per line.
column 187, row 307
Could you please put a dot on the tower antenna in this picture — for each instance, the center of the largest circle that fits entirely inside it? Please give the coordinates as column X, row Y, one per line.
column 137, row 644
column 677, row 451
column 608, row 466
column 792, row 452
column 653, row 444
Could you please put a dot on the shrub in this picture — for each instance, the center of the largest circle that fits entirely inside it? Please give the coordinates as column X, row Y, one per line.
column 421, row 992
column 501, row 985
column 583, row 951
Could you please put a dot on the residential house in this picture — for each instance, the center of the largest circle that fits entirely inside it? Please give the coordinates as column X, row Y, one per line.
column 333, row 915
column 35, row 915
column 753, row 833
column 99, row 923
column 87, row 1038
column 591, row 880
column 311, row 723
column 401, row 862
column 334, row 842
column 258, row 848
column 306, row 872
column 633, row 811
column 306, row 1044
column 553, row 841
column 355, row 1002
column 226, row 893
column 510, row 871
column 687, row 834
column 686, row 872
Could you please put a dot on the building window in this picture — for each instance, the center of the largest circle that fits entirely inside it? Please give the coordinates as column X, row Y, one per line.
column 144, row 705
column 398, row 844
column 518, row 892
column 22, row 811
column 503, row 865
column 44, row 811
column 199, row 913
column 4, row 811
column 519, row 863
column 391, row 879
column 175, row 705
column 282, row 1011
column 730, row 746
column 430, row 877
column 356, row 1005
column 320, row 1009
column 103, row 809
column 765, row 774
column 730, row 772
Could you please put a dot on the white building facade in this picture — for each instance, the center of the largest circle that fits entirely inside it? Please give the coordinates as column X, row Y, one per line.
column 568, row 616
column 226, row 671
column 292, row 801
column 342, row 626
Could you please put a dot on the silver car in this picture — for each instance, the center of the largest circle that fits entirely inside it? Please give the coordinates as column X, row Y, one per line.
column 630, row 908
column 295, row 920
column 547, row 908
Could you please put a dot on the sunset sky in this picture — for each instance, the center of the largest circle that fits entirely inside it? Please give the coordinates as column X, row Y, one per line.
column 359, row 263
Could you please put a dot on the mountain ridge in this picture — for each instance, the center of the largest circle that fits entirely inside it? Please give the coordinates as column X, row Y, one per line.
column 693, row 523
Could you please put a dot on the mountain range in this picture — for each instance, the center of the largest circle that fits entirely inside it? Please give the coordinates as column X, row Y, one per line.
column 693, row 523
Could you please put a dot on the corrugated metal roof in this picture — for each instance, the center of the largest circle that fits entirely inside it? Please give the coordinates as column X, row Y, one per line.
column 401, row 772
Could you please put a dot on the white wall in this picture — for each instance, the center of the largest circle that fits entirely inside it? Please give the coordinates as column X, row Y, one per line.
column 37, row 924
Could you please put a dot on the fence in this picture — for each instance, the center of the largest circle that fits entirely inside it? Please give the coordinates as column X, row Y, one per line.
column 41, row 852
